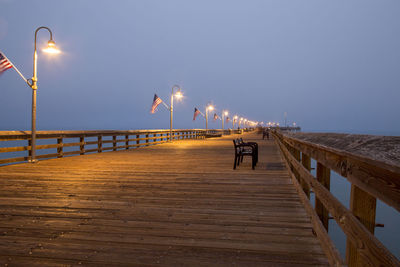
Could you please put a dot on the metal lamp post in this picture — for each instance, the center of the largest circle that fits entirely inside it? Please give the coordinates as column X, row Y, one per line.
column 171, row 109
column 224, row 114
column 211, row 108
column 51, row 48
column 233, row 121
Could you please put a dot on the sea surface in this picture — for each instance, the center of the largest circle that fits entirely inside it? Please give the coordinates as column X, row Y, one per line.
column 389, row 235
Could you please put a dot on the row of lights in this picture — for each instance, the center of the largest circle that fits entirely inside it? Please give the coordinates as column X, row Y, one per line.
column 52, row 49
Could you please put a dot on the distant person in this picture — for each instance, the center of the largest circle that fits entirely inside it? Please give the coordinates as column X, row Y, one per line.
column 266, row 133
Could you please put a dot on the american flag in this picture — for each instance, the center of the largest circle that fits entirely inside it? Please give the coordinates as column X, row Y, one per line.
column 4, row 63
column 215, row 116
column 156, row 101
column 196, row 113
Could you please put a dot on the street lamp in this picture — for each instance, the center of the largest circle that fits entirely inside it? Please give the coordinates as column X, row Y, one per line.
column 208, row 108
column 224, row 114
column 51, row 49
column 233, row 121
column 178, row 95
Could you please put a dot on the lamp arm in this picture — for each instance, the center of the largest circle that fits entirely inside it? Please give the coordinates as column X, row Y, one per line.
column 43, row 27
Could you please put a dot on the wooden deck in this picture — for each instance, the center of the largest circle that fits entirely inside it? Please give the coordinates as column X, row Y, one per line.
column 175, row 204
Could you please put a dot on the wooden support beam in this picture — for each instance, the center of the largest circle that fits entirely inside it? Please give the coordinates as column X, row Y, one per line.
column 306, row 161
column 127, row 141
column 60, row 147
column 82, row 146
column 137, row 139
column 324, row 177
column 363, row 206
column 114, row 142
column 147, row 139
column 99, row 144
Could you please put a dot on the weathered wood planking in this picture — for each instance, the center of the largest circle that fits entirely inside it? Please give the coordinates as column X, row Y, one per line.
column 175, row 204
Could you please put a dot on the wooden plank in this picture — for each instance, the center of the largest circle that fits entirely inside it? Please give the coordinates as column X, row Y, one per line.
column 13, row 149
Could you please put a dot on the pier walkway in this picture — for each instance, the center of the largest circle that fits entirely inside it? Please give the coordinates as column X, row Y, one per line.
column 173, row 204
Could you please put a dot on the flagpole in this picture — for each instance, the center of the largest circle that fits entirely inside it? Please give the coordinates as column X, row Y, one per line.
column 223, row 117
column 20, row 74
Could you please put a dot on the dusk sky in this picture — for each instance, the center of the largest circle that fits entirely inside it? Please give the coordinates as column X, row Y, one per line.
column 331, row 65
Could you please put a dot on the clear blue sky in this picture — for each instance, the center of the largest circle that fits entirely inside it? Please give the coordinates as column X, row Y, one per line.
column 331, row 65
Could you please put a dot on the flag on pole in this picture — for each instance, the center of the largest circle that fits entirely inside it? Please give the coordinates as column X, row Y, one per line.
column 156, row 101
column 215, row 116
column 227, row 119
column 196, row 113
column 5, row 64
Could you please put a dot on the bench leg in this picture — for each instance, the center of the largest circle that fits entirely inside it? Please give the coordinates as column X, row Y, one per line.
column 234, row 164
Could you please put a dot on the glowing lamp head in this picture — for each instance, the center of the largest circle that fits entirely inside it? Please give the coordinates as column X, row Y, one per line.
column 178, row 94
column 51, row 48
column 235, row 117
column 226, row 113
column 210, row 108
column 241, row 119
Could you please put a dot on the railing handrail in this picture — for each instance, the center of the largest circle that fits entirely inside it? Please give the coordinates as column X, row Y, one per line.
column 140, row 138
column 386, row 177
column 4, row 134
column 358, row 223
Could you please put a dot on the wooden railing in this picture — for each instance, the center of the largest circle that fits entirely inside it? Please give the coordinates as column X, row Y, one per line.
column 370, row 179
column 56, row 143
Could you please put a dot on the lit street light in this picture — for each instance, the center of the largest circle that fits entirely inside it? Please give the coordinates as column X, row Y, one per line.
column 224, row 114
column 233, row 121
column 51, row 49
column 178, row 95
column 208, row 108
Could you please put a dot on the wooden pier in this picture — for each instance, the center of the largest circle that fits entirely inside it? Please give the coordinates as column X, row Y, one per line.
column 172, row 204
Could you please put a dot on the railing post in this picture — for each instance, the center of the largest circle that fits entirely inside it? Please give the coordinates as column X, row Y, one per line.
column 99, row 144
column 324, row 177
column 30, row 148
column 114, row 143
column 147, row 139
column 127, row 141
column 82, row 145
column 306, row 161
column 363, row 206
column 60, row 147
column 137, row 139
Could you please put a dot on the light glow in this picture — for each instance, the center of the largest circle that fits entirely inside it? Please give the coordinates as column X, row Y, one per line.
column 51, row 48
column 178, row 95
column 210, row 108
